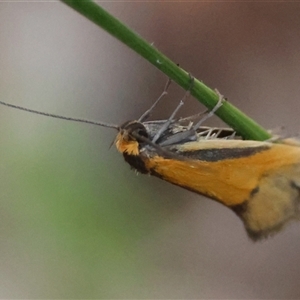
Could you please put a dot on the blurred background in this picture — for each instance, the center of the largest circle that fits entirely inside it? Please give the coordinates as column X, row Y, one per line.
column 75, row 221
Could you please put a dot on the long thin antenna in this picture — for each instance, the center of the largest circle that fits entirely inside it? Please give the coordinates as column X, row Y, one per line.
column 60, row 117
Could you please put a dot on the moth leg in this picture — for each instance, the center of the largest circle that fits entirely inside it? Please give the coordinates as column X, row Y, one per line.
column 212, row 112
column 207, row 134
column 193, row 117
column 148, row 112
column 166, row 125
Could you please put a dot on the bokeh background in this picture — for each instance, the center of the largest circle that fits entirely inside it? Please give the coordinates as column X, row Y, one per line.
column 75, row 221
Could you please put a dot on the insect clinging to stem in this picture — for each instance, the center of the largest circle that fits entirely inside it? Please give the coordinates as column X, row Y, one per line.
column 259, row 181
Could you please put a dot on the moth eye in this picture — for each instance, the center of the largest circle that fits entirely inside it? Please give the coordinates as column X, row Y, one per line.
column 142, row 132
column 136, row 129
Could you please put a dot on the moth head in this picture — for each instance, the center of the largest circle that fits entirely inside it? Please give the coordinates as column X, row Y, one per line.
column 131, row 135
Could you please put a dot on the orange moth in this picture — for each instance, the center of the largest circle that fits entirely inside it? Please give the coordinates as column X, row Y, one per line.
column 259, row 181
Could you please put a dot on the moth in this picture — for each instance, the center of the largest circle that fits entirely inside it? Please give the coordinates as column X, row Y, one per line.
column 259, row 181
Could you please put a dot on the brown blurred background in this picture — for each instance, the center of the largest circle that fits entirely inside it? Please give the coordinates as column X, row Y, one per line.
column 76, row 222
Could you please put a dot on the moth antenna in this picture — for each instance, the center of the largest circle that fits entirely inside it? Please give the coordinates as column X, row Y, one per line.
column 102, row 124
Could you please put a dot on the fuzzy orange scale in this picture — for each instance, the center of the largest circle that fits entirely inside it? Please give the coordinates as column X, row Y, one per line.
column 126, row 145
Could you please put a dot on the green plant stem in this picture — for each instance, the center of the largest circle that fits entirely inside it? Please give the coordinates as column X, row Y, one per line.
column 232, row 116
